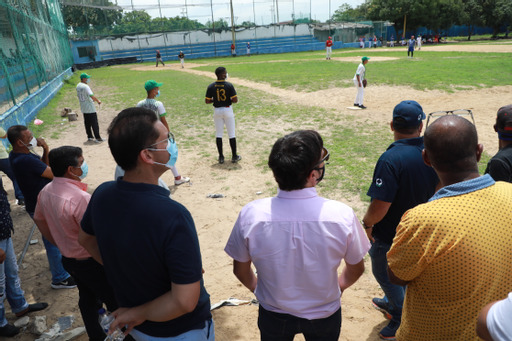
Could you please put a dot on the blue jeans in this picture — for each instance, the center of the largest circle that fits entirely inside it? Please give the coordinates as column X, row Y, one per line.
column 5, row 166
column 205, row 334
column 10, row 282
column 54, row 256
column 394, row 293
column 283, row 327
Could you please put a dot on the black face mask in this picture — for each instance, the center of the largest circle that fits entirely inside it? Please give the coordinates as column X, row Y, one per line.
column 325, row 158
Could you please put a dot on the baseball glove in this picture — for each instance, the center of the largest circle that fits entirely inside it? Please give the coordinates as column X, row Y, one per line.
column 364, row 83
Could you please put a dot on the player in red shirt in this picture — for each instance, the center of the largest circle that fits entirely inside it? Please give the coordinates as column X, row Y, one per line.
column 328, row 48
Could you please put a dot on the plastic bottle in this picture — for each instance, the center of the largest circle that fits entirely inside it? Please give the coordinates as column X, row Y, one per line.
column 105, row 320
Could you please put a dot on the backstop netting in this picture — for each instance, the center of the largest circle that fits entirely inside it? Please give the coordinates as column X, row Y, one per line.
column 34, row 48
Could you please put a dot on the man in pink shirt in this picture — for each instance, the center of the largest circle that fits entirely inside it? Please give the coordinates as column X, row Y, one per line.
column 59, row 210
column 297, row 241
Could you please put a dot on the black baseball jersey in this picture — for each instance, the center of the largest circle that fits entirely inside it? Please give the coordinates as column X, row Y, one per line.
column 181, row 55
column 221, row 92
column 158, row 55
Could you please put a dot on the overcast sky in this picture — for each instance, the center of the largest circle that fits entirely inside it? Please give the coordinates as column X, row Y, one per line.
column 262, row 12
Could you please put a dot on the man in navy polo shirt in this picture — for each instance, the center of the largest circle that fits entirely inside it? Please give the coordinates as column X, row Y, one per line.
column 401, row 180
column 146, row 241
column 33, row 173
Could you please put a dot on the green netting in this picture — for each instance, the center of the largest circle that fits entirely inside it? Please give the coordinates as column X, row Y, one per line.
column 34, row 48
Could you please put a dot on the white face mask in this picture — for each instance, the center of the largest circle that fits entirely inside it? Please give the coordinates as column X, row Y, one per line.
column 227, row 75
column 31, row 144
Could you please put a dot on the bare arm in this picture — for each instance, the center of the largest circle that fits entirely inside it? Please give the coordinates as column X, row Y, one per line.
column 208, row 100
column 394, row 279
column 244, row 273
column 164, row 122
column 90, row 243
column 47, row 173
column 180, row 300
column 350, row 274
column 359, row 81
column 481, row 325
column 375, row 213
column 234, row 99
column 95, row 99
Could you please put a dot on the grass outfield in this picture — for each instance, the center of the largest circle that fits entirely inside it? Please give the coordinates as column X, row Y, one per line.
column 262, row 118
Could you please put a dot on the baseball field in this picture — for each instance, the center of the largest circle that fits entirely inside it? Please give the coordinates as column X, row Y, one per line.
column 277, row 95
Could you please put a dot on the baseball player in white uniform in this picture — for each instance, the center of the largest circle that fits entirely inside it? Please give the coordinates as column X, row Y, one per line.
column 358, row 82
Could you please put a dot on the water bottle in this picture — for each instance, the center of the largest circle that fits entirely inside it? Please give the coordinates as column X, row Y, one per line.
column 105, row 320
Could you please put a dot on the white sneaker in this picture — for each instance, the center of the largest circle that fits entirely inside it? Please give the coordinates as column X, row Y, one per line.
column 181, row 181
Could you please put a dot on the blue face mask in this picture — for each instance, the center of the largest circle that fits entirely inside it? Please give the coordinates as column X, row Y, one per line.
column 172, row 149
column 85, row 169
column 158, row 94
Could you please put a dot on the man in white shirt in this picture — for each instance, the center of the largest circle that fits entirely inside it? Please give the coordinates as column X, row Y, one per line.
column 86, row 98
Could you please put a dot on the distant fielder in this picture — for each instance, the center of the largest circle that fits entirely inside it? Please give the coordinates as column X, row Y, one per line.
column 181, row 57
column 328, row 48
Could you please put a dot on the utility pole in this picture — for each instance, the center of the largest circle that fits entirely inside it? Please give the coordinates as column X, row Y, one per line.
column 233, row 38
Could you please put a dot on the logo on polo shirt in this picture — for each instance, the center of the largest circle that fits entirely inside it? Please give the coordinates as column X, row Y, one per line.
column 378, row 182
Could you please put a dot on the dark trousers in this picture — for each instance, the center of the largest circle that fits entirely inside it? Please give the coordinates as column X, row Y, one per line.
column 91, row 121
column 283, row 327
column 93, row 290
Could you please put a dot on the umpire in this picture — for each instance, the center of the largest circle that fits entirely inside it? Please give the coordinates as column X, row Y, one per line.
column 401, row 180
column 222, row 94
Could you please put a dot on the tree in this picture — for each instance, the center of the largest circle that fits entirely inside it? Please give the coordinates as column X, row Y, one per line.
column 346, row 13
column 218, row 25
column 496, row 13
column 82, row 20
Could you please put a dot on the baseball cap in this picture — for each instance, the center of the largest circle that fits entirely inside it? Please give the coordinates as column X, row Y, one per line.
column 151, row 84
column 408, row 114
column 84, row 75
column 504, row 122
column 329, row 37
column 365, row 58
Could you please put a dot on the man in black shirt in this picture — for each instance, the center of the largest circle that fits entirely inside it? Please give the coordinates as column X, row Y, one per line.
column 500, row 166
column 222, row 94
column 159, row 58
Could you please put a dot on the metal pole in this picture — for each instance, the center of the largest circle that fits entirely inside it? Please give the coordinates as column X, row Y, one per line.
column 255, row 26
column 189, row 39
column 162, row 22
column 233, row 37
column 213, row 28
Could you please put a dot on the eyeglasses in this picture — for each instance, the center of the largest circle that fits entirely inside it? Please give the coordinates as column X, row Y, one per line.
column 459, row 112
column 170, row 138
column 325, row 158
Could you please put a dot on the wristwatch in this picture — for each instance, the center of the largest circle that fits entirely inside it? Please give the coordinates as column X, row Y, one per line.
column 366, row 227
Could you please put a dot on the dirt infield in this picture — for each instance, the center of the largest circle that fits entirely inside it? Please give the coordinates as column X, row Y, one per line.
column 240, row 184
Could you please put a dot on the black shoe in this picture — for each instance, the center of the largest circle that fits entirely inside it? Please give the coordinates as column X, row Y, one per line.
column 9, row 330
column 221, row 159
column 32, row 307
column 236, row 158
column 68, row 283
column 20, row 202
column 356, row 105
column 362, row 106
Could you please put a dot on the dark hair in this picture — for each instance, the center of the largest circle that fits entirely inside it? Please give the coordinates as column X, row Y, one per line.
column 131, row 131
column 293, row 157
column 398, row 126
column 14, row 133
column 220, row 70
column 451, row 143
column 62, row 157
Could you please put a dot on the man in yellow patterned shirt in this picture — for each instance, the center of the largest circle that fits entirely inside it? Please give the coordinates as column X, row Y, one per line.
column 453, row 253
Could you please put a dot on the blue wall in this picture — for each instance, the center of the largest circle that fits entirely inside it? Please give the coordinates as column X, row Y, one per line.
column 84, row 43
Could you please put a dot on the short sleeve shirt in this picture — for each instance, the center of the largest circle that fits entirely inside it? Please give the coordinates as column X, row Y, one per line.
column 221, row 92
column 147, row 241
column 455, row 253
column 28, row 169
column 498, row 320
column 500, row 166
column 402, row 179
column 84, row 94
column 152, row 104
column 411, row 44
column 360, row 71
